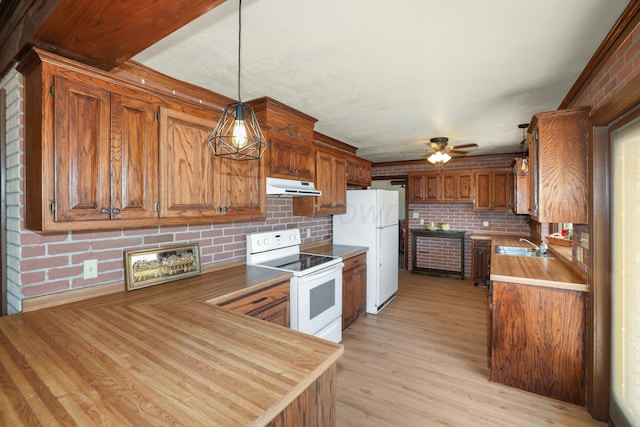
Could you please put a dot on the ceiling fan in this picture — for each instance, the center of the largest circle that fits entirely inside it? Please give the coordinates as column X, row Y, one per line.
column 440, row 152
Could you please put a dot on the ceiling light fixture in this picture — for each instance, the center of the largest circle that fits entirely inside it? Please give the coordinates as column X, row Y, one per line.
column 237, row 135
column 524, row 166
column 439, row 157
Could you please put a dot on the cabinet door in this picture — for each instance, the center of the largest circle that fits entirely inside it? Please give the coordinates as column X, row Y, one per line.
column 81, row 151
column 188, row 185
column 291, row 159
column 500, row 188
column 465, row 187
column 450, row 187
column 134, row 158
column 483, row 191
column 417, row 188
column 278, row 314
column 324, row 181
column 480, row 262
column 360, row 289
column 433, row 187
column 242, row 186
column 348, row 298
column 339, row 185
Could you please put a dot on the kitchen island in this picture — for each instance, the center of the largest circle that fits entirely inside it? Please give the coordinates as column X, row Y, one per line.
column 164, row 355
column 537, row 318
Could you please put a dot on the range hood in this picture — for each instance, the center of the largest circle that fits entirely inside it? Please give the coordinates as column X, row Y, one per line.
column 291, row 188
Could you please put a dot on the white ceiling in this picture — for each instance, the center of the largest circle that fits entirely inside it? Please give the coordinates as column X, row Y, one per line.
column 385, row 76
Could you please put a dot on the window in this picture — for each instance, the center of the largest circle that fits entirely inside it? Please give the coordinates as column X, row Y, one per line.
column 625, row 274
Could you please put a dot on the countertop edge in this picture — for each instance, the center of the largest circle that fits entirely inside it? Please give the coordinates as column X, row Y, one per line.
column 541, row 283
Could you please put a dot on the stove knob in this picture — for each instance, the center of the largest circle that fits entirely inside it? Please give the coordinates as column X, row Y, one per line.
column 259, row 242
column 266, row 241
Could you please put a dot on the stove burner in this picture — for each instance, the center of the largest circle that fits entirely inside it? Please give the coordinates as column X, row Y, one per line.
column 298, row 262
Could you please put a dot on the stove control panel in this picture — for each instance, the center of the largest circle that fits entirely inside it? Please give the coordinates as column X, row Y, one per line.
column 269, row 240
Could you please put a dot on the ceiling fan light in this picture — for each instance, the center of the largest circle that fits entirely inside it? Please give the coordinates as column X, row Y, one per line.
column 445, row 158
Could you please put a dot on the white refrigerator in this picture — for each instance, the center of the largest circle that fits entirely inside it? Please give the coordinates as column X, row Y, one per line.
column 372, row 220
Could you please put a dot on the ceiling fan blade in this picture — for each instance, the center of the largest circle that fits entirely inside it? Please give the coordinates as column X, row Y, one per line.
column 464, row 146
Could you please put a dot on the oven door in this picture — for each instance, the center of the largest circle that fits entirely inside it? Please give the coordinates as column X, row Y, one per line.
column 316, row 299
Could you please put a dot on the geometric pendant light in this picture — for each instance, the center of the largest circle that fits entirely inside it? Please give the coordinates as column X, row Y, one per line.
column 237, row 135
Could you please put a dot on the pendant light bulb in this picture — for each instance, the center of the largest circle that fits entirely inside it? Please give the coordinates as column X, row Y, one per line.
column 239, row 139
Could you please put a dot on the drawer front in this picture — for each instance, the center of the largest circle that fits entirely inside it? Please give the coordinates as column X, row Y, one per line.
column 354, row 262
column 258, row 300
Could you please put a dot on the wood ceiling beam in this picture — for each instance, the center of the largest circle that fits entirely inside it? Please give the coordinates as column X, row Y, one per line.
column 103, row 34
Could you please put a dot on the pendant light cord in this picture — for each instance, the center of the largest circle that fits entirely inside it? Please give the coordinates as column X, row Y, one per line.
column 239, row 42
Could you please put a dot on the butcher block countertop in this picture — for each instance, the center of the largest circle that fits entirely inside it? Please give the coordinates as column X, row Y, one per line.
column 548, row 272
column 160, row 355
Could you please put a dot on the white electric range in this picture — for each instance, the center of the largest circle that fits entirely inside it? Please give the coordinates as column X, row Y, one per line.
column 316, row 285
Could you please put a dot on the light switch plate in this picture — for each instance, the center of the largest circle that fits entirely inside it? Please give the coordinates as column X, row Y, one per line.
column 416, row 215
column 90, row 269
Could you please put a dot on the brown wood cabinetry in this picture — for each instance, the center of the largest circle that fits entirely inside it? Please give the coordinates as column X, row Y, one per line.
column 197, row 185
column 480, row 261
column 105, row 153
column 449, row 186
column 93, row 149
column 538, row 340
column 358, row 171
column 492, row 190
column 354, row 289
column 331, row 180
column 457, row 186
column 558, row 166
column 290, row 135
column 519, row 187
column 271, row 304
column 425, row 187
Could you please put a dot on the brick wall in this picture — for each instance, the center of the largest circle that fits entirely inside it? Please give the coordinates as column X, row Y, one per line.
column 445, row 254
column 45, row 263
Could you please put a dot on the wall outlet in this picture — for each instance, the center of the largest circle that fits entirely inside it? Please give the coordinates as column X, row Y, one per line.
column 485, row 223
column 90, row 269
column 308, row 233
column 416, row 215
column 421, row 221
column 579, row 254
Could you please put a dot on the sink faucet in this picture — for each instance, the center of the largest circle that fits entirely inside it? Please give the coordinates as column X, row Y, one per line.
column 542, row 248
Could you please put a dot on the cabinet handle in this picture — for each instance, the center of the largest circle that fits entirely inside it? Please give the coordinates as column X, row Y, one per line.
column 105, row 211
column 259, row 300
column 116, row 211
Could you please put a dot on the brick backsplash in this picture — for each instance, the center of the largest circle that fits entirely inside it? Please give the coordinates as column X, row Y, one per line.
column 444, row 254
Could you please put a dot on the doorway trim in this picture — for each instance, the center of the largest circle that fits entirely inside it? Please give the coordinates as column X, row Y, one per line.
column 3, row 202
column 619, row 108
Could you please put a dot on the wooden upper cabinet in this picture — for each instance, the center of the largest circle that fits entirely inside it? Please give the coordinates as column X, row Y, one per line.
column 92, row 149
column 425, row 187
column 198, row 186
column 190, row 186
column 449, row 186
column 558, row 166
column 457, row 186
column 331, row 180
column 290, row 136
column 134, row 157
column 492, row 190
column 358, row 171
column 95, row 161
column 291, row 159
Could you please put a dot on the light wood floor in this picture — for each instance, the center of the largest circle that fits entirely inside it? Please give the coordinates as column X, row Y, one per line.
column 423, row 362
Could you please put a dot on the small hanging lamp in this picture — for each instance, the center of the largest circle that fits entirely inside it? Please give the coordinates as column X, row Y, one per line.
column 524, row 166
column 237, row 135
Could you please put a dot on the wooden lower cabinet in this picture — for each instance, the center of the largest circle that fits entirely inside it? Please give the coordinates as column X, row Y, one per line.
column 354, row 289
column 315, row 407
column 538, row 340
column 271, row 304
column 480, row 261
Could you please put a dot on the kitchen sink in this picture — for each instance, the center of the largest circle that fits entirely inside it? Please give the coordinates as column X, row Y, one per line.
column 521, row 251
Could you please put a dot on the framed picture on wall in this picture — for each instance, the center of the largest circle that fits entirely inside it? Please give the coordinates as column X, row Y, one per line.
column 160, row 265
